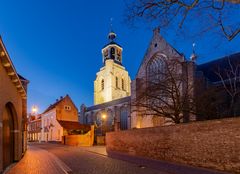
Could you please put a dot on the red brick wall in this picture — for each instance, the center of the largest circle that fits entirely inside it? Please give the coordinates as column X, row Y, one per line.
column 212, row 144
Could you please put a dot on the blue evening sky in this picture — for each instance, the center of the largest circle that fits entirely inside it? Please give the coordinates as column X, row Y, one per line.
column 56, row 44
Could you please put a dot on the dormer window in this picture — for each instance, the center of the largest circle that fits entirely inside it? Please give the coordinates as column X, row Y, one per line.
column 67, row 107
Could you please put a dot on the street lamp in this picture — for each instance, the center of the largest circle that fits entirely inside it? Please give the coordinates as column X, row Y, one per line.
column 103, row 118
column 34, row 109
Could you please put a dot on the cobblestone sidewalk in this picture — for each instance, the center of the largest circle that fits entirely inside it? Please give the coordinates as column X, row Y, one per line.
column 39, row 161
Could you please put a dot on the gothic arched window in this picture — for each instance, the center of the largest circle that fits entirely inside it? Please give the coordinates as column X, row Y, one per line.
column 156, row 80
column 102, row 84
column 155, row 69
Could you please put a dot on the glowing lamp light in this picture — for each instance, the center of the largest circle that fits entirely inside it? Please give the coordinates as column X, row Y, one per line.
column 103, row 116
column 34, row 109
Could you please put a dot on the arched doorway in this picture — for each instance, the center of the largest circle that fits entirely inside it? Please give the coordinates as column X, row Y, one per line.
column 8, row 135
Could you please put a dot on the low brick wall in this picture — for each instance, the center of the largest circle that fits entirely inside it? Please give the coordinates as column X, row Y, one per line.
column 79, row 140
column 211, row 144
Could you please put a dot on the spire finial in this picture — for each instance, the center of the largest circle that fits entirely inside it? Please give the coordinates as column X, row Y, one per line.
column 111, row 35
column 111, row 24
column 193, row 57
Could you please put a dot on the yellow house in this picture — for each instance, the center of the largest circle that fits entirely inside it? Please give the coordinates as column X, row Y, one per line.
column 62, row 110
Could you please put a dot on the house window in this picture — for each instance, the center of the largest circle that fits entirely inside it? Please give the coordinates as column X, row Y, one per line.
column 117, row 82
column 102, row 84
column 67, row 108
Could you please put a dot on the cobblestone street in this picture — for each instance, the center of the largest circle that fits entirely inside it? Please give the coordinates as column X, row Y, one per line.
column 55, row 158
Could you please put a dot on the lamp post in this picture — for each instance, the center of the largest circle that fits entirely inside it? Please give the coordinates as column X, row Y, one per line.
column 103, row 118
column 34, row 110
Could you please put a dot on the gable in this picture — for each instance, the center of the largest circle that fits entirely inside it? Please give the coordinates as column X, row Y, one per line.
column 159, row 46
column 66, row 110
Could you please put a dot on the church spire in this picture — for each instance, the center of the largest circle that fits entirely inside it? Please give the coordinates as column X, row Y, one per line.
column 111, row 35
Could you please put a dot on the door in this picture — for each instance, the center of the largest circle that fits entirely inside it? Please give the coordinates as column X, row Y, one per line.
column 8, row 137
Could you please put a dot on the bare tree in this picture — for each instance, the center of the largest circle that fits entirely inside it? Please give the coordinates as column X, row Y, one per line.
column 166, row 91
column 220, row 15
column 230, row 79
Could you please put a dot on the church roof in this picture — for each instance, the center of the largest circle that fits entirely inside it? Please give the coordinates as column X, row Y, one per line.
column 210, row 69
column 112, row 43
column 110, row 103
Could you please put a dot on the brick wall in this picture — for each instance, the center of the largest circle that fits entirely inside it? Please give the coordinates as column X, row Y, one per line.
column 80, row 140
column 212, row 144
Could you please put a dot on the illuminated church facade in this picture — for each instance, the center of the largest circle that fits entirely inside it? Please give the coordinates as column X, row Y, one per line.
column 112, row 91
column 112, row 81
column 115, row 93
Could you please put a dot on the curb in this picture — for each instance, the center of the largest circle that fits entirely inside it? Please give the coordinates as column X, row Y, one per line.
column 169, row 167
column 60, row 164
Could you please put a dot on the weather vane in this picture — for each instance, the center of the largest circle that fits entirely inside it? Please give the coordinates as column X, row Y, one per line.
column 111, row 24
column 193, row 45
column 193, row 57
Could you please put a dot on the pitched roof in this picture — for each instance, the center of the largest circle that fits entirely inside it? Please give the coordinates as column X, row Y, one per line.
column 73, row 125
column 110, row 103
column 209, row 69
column 52, row 106
column 22, row 78
column 112, row 43
column 158, row 45
column 8, row 65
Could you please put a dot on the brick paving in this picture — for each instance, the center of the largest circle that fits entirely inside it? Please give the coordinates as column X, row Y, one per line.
column 81, row 161
column 38, row 161
column 101, row 150
column 48, row 158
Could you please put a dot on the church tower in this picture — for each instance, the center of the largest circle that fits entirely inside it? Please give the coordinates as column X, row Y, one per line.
column 112, row 81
